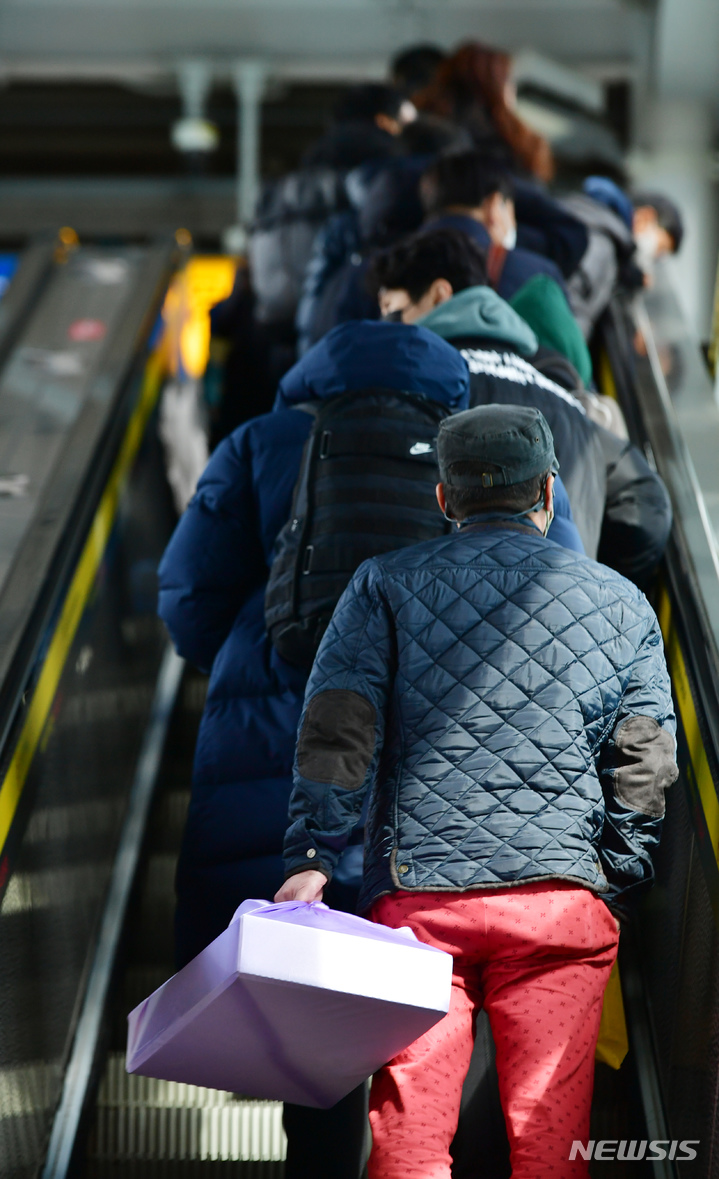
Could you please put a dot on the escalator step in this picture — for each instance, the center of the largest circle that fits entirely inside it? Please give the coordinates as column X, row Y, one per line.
column 153, row 1122
column 168, row 819
column 181, row 1169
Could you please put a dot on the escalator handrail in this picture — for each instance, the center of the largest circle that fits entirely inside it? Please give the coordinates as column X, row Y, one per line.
column 24, row 291
column 41, row 570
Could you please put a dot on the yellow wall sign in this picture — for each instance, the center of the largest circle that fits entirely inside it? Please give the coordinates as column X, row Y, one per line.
column 204, row 281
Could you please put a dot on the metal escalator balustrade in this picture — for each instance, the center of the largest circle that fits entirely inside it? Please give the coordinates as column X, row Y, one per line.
column 80, row 646
column 657, row 373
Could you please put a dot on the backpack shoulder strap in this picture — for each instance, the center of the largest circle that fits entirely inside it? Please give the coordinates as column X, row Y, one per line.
column 496, row 258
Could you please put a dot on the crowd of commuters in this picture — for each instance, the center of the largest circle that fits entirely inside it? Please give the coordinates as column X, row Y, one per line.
column 439, row 712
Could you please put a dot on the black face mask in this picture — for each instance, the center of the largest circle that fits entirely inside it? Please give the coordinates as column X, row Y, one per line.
column 393, row 317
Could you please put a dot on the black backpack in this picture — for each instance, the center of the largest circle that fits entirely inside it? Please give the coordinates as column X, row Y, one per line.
column 366, row 486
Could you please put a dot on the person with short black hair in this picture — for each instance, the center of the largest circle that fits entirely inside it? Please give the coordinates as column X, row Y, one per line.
column 414, row 264
column 367, row 122
column 507, row 726
column 625, row 238
column 415, row 68
column 372, row 102
column 658, row 228
column 462, row 190
column 620, row 505
column 445, row 255
column 463, row 181
column 482, row 495
column 293, row 209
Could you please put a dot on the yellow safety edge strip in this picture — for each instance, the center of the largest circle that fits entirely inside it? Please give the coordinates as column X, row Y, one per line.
column 605, row 380
column 77, row 596
column 682, row 691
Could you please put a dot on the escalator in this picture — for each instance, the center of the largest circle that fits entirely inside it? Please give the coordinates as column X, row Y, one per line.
column 84, row 516
column 666, row 1087
column 98, row 729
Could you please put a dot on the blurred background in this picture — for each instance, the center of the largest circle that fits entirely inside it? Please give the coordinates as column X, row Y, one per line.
column 93, row 94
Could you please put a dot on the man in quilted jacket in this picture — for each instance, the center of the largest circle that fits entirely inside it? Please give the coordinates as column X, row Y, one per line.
column 505, row 705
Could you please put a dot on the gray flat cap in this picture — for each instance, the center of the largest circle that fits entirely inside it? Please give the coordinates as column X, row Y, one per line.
column 514, row 440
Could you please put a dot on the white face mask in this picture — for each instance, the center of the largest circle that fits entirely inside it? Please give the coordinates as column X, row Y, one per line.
column 647, row 248
column 509, row 240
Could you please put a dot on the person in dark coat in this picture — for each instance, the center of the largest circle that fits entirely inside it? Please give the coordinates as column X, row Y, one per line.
column 291, row 210
column 463, row 191
column 212, row 580
column 238, row 382
column 545, row 227
column 414, row 68
column 507, row 721
column 367, row 121
column 384, row 206
column 619, row 504
column 212, row 583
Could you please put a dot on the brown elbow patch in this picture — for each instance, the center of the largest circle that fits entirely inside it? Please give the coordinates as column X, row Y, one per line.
column 645, row 765
column 336, row 742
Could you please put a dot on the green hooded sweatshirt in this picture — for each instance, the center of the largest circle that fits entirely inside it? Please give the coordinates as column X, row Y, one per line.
column 479, row 311
column 541, row 303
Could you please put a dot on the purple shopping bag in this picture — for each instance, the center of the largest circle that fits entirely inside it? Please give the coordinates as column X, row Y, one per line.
column 295, row 1002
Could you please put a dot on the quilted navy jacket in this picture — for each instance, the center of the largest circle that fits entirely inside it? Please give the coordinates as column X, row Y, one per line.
column 212, row 585
column 506, row 704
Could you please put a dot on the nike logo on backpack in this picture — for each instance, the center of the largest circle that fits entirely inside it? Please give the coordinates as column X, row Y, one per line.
column 420, row 448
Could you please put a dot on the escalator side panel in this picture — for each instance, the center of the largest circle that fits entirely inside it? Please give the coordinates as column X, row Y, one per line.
column 678, row 931
column 680, row 968
column 75, row 799
column 675, row 938
column 67, row 415
column 25, row 288
column 59, row 635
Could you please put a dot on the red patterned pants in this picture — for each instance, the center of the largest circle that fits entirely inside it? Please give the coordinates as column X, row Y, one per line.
column 537, row 958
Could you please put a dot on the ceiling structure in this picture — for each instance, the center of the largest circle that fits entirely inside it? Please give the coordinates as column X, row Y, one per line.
column 139, row 39
column 666, row 49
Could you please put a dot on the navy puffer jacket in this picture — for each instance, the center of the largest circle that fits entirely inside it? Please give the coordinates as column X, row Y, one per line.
column 212, row 585
column 507, row 704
